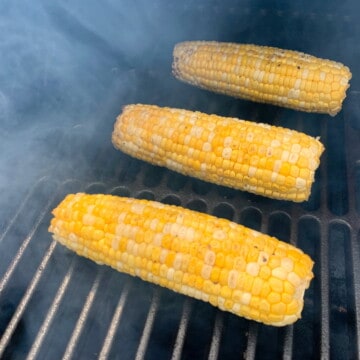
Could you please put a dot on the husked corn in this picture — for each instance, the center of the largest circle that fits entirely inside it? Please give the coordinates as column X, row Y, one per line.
column 271, row 161
column 264, row 74
column 226, row 264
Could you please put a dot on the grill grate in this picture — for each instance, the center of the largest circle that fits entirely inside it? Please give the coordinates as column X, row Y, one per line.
column 100, row 313
column 54, row 304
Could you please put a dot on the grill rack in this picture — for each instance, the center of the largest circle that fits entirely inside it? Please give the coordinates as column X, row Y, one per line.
column 55, row 304
column 56, row 291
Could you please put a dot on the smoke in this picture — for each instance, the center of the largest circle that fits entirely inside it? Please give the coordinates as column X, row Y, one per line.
column 67, row 68
column 59, row 80
column 71, row 66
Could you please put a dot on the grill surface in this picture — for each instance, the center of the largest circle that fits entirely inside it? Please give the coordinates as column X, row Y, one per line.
column 54, row 304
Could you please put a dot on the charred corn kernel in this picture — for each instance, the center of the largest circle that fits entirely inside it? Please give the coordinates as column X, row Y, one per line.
column 113, row 225
column 142, row 131
column 263, row 74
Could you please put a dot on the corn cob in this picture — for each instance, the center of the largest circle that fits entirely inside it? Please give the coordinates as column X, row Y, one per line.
column 262, row 159
column 264, row 74
column 215, row 260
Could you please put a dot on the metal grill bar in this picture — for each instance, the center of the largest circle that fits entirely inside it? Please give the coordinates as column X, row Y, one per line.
column 180, row 338
column 355, row 253
column 324, row 260
column 352, row 160
column 216, row 338
column 288, row 343
column 29, row 292
column 83, row 315
column 140, row 354
column 15, row 261
column 252, row 342
column 114, row 323
column 51, row 313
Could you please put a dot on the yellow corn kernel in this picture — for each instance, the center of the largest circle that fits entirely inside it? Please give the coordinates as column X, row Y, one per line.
column 107, row 230
column 278, row 308
column 264, row 74
column 264, row 306
column 138, row 129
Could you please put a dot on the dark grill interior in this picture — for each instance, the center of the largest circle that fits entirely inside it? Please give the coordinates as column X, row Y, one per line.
column 65, row 72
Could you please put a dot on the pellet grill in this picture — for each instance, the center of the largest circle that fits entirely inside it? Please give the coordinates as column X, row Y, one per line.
column 66, row 70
